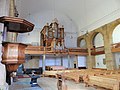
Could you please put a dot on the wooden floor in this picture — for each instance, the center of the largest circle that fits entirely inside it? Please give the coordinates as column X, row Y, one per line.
column 46, row 83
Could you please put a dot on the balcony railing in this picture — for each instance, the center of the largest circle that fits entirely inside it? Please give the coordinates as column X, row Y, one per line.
column 97, row 50
column 50, row 50
column 78, row 50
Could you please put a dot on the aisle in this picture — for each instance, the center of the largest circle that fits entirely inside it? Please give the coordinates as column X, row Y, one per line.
column 47, row 83
column 23, row 84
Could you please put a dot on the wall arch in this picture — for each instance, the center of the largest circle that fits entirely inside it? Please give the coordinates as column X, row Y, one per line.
column 93, row 36
column 83, row 43
column 115, row 34
column 112, row 26
column 83, row 37
column 98, row 41
column 115, row 39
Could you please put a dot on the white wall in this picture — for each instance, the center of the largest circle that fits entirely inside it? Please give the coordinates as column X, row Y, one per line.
column 41, row 18
column 117, row 59
column 99, row 61
column 81, row 61
column 30, row 37
column 31, row 62
column 57, row 61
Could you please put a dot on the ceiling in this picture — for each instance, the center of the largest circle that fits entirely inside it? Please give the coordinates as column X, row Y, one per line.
column 68, row 8
column 81, row 12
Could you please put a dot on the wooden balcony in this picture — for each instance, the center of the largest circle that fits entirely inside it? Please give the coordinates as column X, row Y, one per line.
column 98, row 50
column 39, row 50
column 78, row 51
column 115, row 47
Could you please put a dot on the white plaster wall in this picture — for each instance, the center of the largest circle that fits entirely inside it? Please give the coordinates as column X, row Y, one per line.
column 81, row 61
column 117, row 59
column 57, row 61
column 32, row 62
column 50, row 61
column 3, row 11
column 41, row 18
column 99, row 61
column 30, row 37
column 65, row 62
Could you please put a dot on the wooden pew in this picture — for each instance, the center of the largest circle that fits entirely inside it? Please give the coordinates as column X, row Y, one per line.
column 104, row 73
column 53, row 73
column 105, row 82
column 79, row 75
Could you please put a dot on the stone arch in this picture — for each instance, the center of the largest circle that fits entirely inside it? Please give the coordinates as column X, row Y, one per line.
column 83, row 43
column 111, row 27
column 79, row 40
column 115, row 34
column 97, row 40
column 93, row 35
column 115, row 39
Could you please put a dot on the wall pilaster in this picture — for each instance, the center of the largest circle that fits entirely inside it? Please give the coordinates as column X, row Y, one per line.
column 110, row 62
column 90, row 58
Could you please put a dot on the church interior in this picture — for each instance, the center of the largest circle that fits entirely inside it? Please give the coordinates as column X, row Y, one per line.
column 59, row 44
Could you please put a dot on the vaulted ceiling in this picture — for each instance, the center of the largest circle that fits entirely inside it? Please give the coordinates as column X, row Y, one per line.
column 82, row 12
